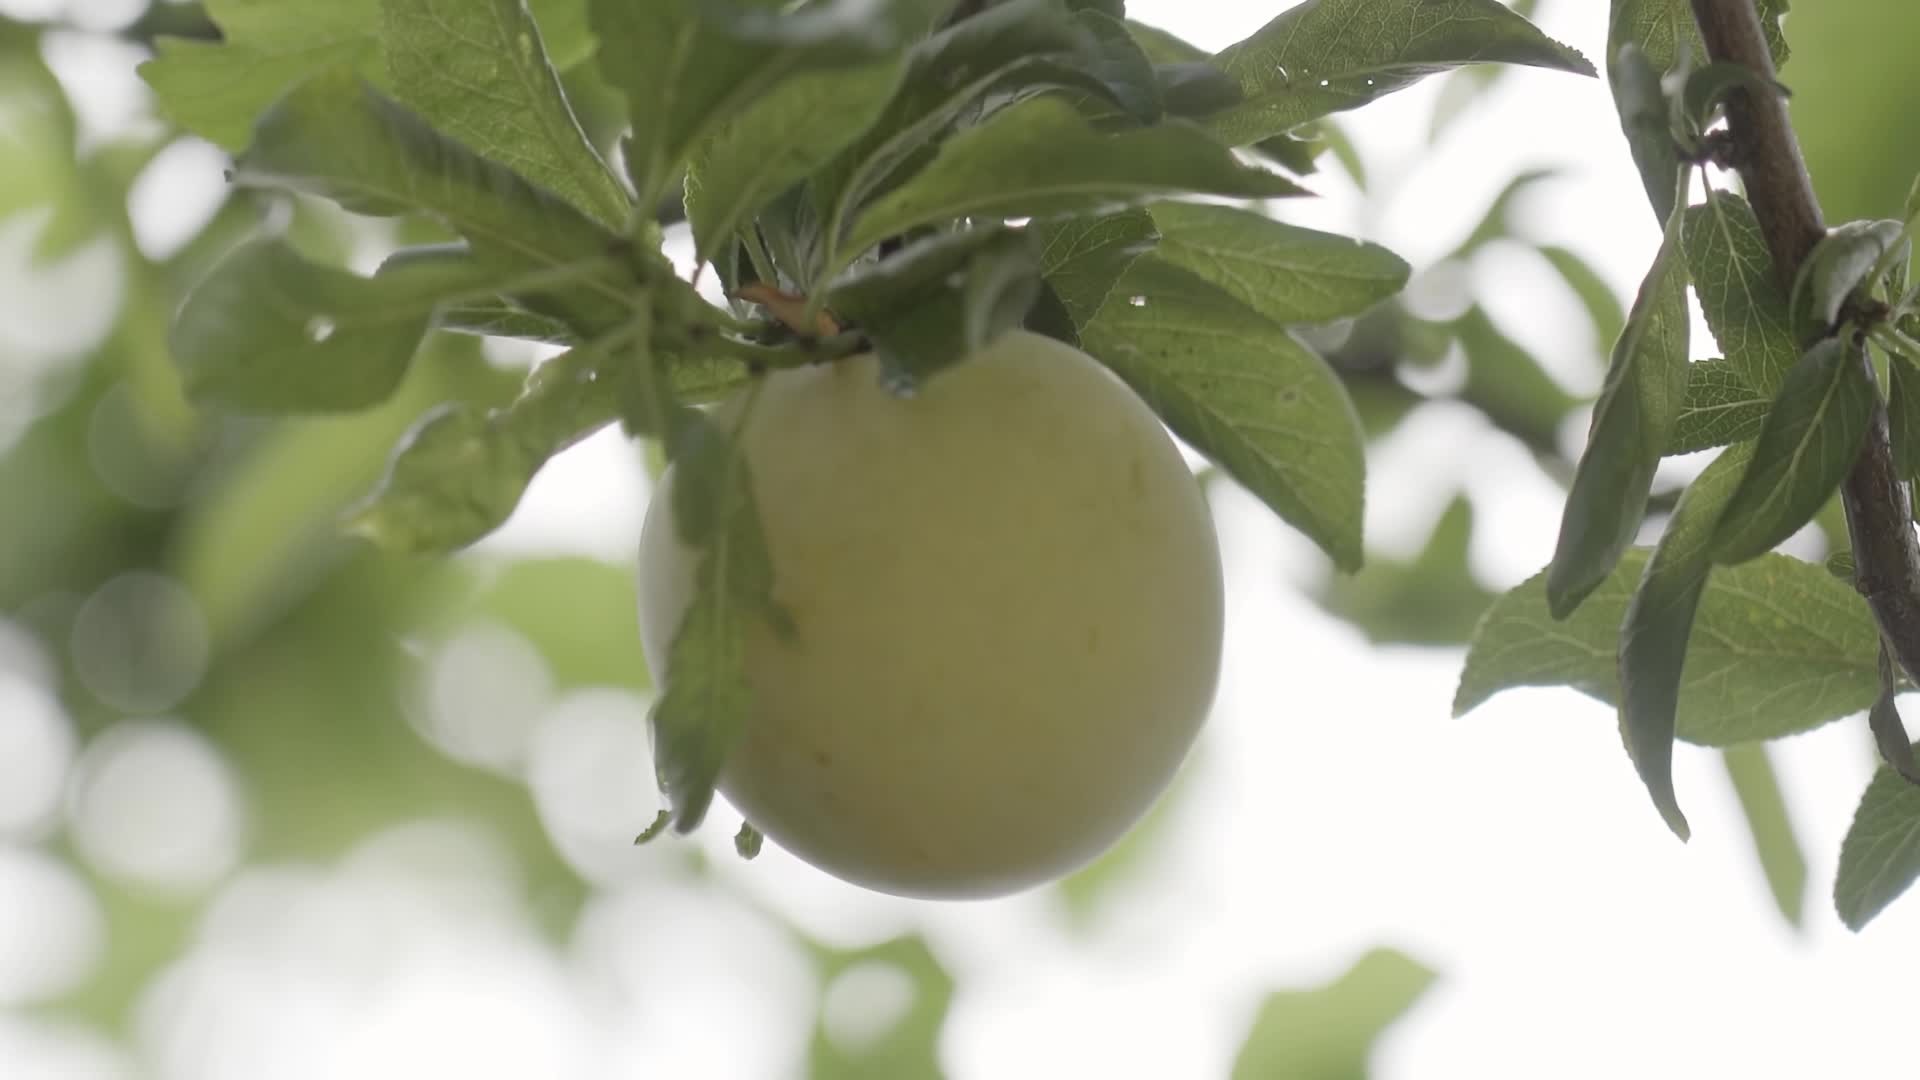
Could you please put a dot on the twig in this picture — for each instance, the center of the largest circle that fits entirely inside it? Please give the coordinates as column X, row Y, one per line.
column 1886, row 557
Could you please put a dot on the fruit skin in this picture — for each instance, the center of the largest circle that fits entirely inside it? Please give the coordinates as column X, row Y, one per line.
column 1007, row 602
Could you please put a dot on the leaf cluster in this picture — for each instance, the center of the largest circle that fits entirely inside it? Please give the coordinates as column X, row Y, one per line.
column 1710, row 635
column 911, row 177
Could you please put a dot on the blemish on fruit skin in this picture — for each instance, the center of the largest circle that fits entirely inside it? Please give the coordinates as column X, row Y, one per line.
column 1137, row 478
column 822, row 758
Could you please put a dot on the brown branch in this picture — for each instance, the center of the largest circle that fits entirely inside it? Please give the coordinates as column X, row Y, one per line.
column 1879, row 517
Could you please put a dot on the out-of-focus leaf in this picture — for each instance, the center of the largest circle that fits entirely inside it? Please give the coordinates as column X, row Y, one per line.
column 1088, row 890
column 478, row 70
column 1496, row 222
column 1041, row 157
column 1770, row 824
column 1603, row 308
column 311, row 713
column 1434, row 599
column 1733, row 275
column 1328, row 1033
column 1241, row 390
column 1323, row 56
column 1507, row 383
column 1287, row 273
column 217, row 89
column 1809, row 440
column 579, row 613
column 1779, row 646
column 265, row 531
column 1880, row 857
column 37, row 132
column 907, row 1049
column 1084, row 257
column 1720, row 408
column 1632, row 425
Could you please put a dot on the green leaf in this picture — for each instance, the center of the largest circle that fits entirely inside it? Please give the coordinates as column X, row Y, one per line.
column 1641, row 101
column 1289, row 274
column 1323, row 56
column 909, row 1049
column 1632, row 425
column 1665, row 30
column 1770, row 825
column 1106, row 883
column 460, row 472
column 43, row 171
column 1433, row 600
column 1496, row 222
column 268, row 331
column 1603, row 308
column 579, row 613
column 706, row 698
column 1903, row 414
column 779, row 140
column 1720, row 408
column 1242, row 391
column 1200, row 89
column 1706, row 88
column 686, row 66
column 1808, row 442
column 1839, row 265
column 1778, row 647
column 263, row 532
column 1889, row 732
column 455, row 478
column 1742, row 300
column 1329, row 1032
column 930, row 305
column 1507, row 383
column 748, row 842
column 1040, row 157
column 479, row 72
column 563, row 27
column 1162, row 47
column 1880, row 857
column 1120, row 69
column 338, row 138
column 1083, row 257
column 1659, row 621
column 217, row 90
column 946, row 74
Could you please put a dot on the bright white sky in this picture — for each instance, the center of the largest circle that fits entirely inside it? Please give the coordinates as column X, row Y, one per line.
column 1333, row 806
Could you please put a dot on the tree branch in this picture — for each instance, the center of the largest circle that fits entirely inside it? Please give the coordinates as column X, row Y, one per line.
column 1879, row 517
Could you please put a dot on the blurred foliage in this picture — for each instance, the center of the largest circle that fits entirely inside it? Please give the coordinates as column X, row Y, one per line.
column 1328, row 1033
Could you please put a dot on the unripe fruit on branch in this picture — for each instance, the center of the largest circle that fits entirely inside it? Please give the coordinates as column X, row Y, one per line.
column 1006, row 601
